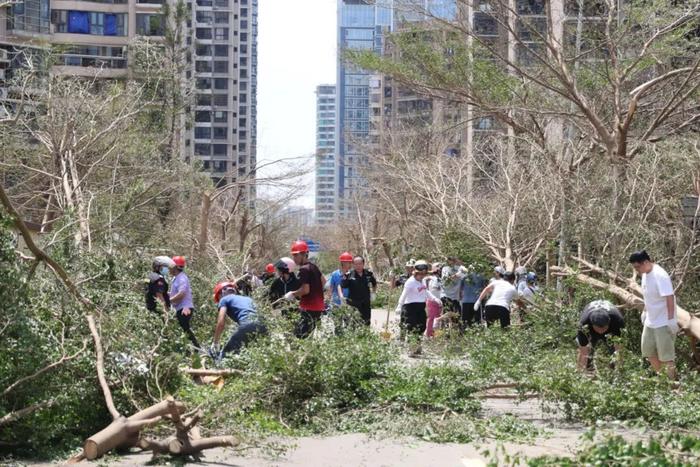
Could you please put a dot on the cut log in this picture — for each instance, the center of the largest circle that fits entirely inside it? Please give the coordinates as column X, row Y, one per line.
column 181, row 447
column 213, row 372
column 123, row 432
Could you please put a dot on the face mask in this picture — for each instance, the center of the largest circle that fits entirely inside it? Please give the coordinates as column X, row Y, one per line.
column 164, row 271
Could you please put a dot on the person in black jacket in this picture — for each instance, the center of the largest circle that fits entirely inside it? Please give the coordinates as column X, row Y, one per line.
column 286, row 281
column 361, row 286
column 157, row 286
column 599, row 319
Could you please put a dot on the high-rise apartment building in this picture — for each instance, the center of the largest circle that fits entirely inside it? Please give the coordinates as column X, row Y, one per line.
column 224, row 52
column 221, row 44
column 325, row 154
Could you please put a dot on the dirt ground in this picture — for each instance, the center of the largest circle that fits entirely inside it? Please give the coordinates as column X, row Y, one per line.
column 355, row 449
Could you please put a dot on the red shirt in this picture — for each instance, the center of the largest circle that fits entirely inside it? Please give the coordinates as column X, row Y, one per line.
column 312, row 301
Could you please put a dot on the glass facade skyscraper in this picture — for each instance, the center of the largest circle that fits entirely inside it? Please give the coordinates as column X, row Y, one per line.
column 361, row 24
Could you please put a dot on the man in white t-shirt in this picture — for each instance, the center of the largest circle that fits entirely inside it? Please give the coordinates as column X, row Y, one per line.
column 660, row 325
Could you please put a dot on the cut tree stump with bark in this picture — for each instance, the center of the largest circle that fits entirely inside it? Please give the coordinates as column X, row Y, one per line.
column 125, row 432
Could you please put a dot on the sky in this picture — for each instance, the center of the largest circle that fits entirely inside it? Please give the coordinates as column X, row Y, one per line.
column 296, row 53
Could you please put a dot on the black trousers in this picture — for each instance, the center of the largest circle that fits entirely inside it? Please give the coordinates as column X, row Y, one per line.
column 185, row 325
column 451, row 305
column 413, row 318
column 495, row 312
column 469, row 316
column 307, row 323
column 245, row 333
column 365, row 310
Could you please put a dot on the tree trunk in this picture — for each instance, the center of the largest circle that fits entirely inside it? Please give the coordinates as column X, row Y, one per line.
column 205, row 209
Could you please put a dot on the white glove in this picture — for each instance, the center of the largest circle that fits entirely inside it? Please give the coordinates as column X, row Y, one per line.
column 477, row 305
column 397, row 310
column 289, row 296
column 372, row 296
column 673, row 326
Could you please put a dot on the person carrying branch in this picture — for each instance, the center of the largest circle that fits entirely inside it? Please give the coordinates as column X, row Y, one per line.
column 286, row 281
column 181, row 298
column 660, row 321
column 599, row 319
column 242, row 311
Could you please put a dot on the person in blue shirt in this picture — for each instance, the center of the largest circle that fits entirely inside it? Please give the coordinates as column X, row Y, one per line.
column 240, row 309
column 472, row 285
column 339, row 294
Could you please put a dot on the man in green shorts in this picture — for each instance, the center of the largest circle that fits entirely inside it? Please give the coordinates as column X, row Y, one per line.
column 660, row 325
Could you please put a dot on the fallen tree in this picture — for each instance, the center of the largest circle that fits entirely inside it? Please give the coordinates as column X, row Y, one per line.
column 630, row 293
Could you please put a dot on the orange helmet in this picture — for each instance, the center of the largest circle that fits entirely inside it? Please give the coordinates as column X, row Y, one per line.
column 300, row 246
column 270, row 268
column 179, row 261
column 219, row 288
column 345, row 257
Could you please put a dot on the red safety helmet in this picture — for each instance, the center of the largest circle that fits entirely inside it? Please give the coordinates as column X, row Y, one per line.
column 270, row 268
column 220, row 288
column 179, row 261
column 300, row 246
column 346, row 258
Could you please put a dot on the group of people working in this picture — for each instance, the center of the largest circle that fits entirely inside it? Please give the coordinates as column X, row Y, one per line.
column 432, row 292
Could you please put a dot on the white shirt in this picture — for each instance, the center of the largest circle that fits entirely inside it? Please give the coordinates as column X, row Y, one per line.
column 503, row 293
column 656, row 286
column 414, row 291
column 434, row 287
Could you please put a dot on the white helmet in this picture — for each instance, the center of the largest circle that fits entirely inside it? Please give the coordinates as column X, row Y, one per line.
column 500, row 270
column 164, row 261
column 411, row 263
column 521, row 270
column 421, row 265
column 291, row 265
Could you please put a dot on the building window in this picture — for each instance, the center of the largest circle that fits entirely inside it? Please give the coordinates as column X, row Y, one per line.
column 220, row 66
column 221, row 17
column 241, row 147
column 242, row 134
column 149, row 24
column 202, row 132
column 203, row 83
column 243, row 86
column 203, row 66
column 203, row 99
column 220, row 132
column 203, row 33
column 220, row 83
column 221, row 50
column 221, row 99
column 202, row 116
column 244, row 24
column 203, row 50
column 204, row 17
column 202, row 149
column 221, row 3
column 244, row 37
column 221, row 34
column 244, row 61
column 244, row 48
column 220, row 116
column 219, row 149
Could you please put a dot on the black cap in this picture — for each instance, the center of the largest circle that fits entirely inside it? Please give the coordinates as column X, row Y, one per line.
column 600, row 318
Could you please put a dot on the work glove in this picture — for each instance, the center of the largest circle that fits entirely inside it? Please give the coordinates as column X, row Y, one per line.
column 372, row 297
column 477, row 305
column 673, row 326
column 214, row 350
column 289, row 296
column 398, row 310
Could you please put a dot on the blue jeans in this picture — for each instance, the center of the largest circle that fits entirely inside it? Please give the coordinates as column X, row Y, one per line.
column 246, row 332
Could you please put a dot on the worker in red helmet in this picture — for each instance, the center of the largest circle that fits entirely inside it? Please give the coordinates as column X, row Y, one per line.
column 181, row 298
column 310, row 292
column 339, row 294
column 268, row 275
